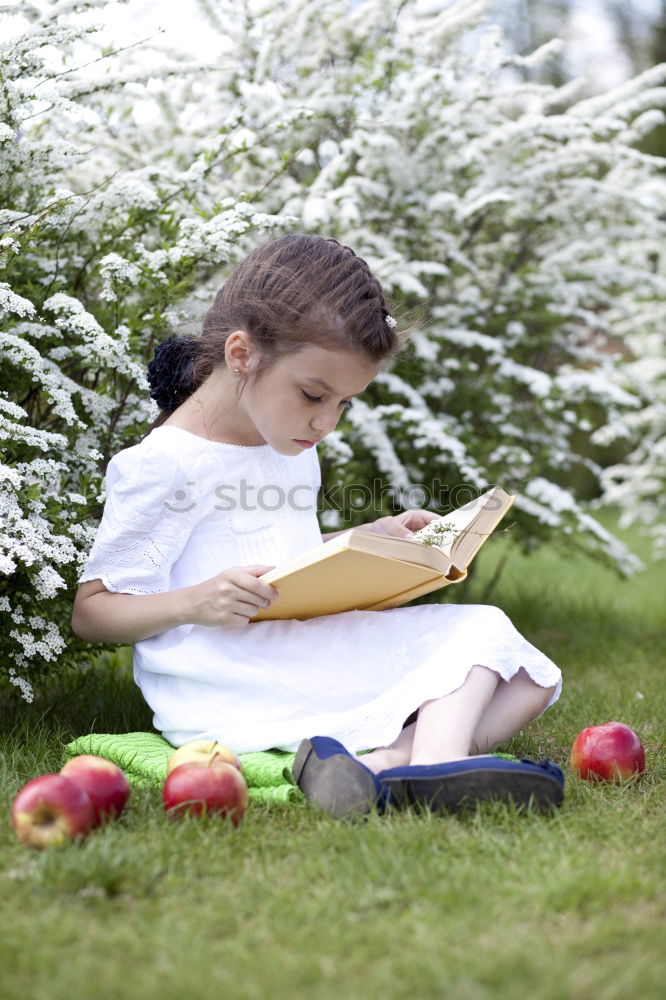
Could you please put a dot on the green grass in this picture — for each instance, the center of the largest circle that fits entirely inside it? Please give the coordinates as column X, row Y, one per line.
column 491, row 904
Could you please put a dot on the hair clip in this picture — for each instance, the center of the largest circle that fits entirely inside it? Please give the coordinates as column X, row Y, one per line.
column 391, row 321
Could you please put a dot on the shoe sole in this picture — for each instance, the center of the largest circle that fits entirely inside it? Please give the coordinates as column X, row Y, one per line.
column 337, row 785
column 455, row 792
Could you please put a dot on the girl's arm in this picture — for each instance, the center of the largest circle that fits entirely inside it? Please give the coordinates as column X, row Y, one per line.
column 229, row 599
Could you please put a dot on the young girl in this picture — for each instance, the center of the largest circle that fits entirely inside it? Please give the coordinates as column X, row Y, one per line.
column 222, row 489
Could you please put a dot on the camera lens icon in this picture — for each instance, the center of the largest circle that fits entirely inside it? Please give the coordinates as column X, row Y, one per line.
column 178, row 503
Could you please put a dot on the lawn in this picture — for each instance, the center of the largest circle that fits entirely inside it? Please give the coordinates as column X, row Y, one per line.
column 491, row 904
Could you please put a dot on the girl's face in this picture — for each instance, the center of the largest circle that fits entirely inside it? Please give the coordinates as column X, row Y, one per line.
column 300, row 399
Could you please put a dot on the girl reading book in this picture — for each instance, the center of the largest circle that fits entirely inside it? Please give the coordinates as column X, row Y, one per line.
column 222, row 489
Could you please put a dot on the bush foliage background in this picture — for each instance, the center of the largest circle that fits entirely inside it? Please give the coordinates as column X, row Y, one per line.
column 517, row 221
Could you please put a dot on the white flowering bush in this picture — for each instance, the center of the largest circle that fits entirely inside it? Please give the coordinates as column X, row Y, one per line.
column 99, row 246
column 518, row 223
column 637, row 484
column 515, row 225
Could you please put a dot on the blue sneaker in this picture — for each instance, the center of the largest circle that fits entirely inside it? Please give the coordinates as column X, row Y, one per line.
column 461, row 784
column 335, row 780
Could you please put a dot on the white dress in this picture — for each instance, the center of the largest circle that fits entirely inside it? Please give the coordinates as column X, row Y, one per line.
column 179, row 510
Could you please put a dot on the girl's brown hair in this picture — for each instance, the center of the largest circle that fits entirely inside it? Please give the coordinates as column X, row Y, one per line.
column 295, row 291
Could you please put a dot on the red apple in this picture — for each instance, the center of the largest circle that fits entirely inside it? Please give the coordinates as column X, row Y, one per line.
column 612, row 752
column 52, row 810
column 105, row 783
column 202, row 752
column 218, row 788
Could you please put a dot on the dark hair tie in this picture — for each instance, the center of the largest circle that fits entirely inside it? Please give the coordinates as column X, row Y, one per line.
column 170, row 372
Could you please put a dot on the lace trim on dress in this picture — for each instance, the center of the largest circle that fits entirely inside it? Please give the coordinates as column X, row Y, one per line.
column 122, row 568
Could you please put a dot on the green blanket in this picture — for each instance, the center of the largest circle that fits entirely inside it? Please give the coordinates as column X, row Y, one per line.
column 143, row 757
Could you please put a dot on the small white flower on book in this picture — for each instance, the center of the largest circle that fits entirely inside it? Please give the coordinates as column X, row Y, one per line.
column 436, row 533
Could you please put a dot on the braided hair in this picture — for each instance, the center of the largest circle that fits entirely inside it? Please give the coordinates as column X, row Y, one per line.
column 295, row 291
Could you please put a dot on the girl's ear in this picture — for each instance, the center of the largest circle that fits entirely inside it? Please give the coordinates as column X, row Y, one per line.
column 238, row 351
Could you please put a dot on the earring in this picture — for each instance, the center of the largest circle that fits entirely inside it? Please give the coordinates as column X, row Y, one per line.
column 237, row 371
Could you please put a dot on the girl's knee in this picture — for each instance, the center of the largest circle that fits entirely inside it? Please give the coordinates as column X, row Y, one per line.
column 534, row 696
column 541, row 698
column 545, row 694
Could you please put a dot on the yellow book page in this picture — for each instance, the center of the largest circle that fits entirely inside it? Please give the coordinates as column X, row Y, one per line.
column 345, row 581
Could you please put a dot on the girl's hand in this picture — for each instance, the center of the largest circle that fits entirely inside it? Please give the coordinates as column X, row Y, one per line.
column 401, row 525
column 232, row 597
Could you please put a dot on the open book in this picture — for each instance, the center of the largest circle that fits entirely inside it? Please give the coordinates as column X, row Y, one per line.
column 359, row 570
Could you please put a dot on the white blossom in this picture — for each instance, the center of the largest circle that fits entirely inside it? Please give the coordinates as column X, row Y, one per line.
column 24, row 686
column 10, row 302
column 48, row 582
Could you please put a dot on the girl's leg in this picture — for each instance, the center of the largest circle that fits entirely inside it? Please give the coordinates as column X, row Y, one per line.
column 514, row 704
column 397, row 754
column 446, row 726
column 511, row 706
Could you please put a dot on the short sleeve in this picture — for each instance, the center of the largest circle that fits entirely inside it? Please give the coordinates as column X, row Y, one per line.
column 148, row 517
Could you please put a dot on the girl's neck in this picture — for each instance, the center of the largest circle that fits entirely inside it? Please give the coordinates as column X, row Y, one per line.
column 212, row 412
